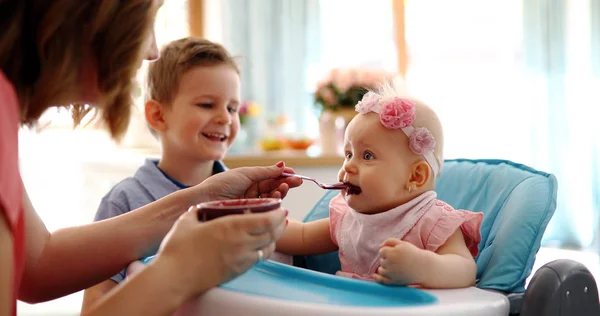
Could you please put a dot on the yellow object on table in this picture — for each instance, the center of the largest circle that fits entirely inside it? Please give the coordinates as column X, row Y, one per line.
column 270, row 144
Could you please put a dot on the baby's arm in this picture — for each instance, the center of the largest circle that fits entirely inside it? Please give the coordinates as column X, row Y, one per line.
column 306, row 238
column 452, row 266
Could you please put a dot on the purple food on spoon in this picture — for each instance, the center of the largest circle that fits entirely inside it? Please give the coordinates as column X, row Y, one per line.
column 335, row 186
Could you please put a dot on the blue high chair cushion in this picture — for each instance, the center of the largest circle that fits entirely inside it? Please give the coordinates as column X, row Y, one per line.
column 517, row 202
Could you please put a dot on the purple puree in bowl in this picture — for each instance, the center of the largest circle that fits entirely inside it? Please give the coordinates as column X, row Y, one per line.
column 211, row 210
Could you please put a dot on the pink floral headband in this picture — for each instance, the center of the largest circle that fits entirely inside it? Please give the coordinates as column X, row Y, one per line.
column 400, row 114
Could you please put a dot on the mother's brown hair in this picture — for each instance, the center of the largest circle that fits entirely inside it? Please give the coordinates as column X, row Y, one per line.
column 44, row 43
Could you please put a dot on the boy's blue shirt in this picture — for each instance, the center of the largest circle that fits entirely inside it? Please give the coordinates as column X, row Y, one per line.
column 148, row 184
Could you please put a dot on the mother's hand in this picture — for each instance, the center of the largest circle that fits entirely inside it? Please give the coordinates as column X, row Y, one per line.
column 198, row 256
column 249, row 182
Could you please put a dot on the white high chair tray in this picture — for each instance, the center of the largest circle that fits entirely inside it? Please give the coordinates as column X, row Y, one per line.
column 272, row 288
column 461, row 302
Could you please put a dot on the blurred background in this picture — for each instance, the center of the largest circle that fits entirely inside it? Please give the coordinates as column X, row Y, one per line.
column 510, row 79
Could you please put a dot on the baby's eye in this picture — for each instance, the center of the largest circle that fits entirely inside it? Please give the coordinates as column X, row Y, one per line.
column 348, row 155
column 367, row 155
column 232, row 109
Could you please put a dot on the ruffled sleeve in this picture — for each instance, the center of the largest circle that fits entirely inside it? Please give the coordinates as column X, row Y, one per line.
column 449, row 221
column 337, row 208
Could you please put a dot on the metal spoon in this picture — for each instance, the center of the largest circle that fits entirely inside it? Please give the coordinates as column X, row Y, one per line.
column 336, row 186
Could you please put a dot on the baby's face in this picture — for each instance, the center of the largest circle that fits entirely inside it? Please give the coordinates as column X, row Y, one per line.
column 379, row 161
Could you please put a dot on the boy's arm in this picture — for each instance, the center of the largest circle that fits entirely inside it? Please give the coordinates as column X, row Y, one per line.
column 306, row 238
column 155, row 283
column 107, row 209
column 93, row 294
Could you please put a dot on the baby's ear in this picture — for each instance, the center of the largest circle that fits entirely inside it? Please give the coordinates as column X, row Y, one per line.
column 421, row 173
column 155, row 115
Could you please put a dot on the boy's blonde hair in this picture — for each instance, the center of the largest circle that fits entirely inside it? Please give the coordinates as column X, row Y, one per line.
column 177, row 58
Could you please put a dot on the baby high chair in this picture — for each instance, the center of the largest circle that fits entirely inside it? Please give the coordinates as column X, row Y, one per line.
column 517, row 202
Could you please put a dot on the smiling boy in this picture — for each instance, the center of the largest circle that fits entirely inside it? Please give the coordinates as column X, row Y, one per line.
column 194, row 95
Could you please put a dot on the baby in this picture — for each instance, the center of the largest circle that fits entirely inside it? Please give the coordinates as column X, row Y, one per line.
column 388, row 225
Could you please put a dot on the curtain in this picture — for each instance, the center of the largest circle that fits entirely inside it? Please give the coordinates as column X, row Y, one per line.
column 594, row 28
column 517, row 80
column 565, row 142
column 276, row 41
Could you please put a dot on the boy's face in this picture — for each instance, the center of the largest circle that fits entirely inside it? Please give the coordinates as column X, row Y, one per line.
column 379, row 161
column 203, row 120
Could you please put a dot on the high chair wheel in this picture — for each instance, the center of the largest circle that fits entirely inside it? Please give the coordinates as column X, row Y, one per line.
column 561, row 288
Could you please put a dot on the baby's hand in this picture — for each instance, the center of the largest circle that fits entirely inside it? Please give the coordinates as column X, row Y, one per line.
column 401, row 263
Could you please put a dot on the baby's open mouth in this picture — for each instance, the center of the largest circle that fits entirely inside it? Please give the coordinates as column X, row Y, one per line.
column 351, row 189
column 217, row 137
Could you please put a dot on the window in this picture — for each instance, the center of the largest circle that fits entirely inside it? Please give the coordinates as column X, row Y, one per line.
column 464, row 60
column 356, row 33
column 509, row 79
column 353, row 33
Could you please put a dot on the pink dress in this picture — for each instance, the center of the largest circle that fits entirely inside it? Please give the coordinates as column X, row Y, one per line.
column 425, row 222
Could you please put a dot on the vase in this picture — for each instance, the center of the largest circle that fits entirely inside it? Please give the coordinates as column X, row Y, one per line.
column 332, row 126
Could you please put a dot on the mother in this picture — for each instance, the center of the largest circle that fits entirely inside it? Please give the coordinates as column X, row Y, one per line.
column 62, row 52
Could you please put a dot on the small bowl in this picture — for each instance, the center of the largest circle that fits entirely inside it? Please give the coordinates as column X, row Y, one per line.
column 210, row 210
column 299, row 144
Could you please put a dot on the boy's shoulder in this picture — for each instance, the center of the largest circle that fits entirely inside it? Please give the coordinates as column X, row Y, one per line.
column 124, row 189
column 123, row 197
column 219, row 167
column 147, row 185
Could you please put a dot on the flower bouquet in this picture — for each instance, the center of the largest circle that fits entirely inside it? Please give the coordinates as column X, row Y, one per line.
column 336, row 95
column 343, row 88
column 245, row 140
column 248, row 109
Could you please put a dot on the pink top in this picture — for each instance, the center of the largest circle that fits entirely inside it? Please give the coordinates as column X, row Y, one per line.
column 424, row 222
column 11, row 186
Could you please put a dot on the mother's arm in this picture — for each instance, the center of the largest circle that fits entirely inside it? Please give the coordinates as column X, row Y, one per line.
column 94, row 252
column 72, row 259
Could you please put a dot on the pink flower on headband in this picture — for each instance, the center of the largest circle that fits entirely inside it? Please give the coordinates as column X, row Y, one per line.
column 368, row 102
column 421, row 141
column 397, row 113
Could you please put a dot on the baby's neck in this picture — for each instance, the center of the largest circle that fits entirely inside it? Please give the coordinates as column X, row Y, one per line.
column 186, row 171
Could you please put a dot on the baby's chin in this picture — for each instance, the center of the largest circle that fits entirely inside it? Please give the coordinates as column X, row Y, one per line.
column 356, row 203
column 360, row 205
